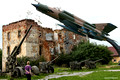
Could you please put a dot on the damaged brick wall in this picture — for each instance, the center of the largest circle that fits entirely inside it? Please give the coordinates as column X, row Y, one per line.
column 39, row 42
column 11, row 31
column 65, row 40
column 17, row 30
column 48, row 44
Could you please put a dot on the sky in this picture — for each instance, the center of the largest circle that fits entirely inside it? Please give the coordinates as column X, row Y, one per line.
column 92, row 11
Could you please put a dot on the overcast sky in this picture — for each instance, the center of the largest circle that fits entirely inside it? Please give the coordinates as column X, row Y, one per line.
column 92, row 11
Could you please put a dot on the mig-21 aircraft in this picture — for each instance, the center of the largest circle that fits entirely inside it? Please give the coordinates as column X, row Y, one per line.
column 79, row 26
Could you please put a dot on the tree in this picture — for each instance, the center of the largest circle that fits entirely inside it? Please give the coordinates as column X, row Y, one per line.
column 86, row 50
column 92, row 51
column 63, row 59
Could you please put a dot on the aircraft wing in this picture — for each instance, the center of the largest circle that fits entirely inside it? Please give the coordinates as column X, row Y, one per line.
column 72, row 26
column 105, row 27
column 70, row 29
column 70, row 23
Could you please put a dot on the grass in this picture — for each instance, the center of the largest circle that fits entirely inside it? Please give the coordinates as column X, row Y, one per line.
column 34, row 77
column 98, row 74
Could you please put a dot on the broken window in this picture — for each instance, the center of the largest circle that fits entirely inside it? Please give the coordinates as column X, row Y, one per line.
column 8, row 35
column 19, row 33
column 40, row 50
column 8, row 50
column 40, row 35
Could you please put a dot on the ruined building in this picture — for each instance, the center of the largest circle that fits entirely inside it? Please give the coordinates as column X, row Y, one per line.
column 40, row 41
column 65, row 40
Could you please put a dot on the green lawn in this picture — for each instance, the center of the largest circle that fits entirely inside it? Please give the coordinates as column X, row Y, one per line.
column 98, row 74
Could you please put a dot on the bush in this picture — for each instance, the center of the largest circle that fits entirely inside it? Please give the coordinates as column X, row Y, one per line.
column 33, row 61
column 22, row 60
column 91, row 51
column 37, row 60
column 63, row 59
column 86, row 50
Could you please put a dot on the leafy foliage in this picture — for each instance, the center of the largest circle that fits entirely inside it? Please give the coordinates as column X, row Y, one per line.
column 22, row 60
column 37, row 60
column 86, row 50
column 33, row 61
column 92, row 51
column 63, row 59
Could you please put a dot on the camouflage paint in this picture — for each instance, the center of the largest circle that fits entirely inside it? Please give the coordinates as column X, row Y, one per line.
column 75, row 24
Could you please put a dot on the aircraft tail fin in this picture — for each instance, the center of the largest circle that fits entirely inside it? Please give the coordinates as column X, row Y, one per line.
column 105, row 27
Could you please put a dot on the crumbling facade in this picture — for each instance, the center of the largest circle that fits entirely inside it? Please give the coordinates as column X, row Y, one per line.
column 40, row 41
column 65, row 40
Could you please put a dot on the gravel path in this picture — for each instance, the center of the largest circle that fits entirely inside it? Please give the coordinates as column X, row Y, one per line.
column 63, row 74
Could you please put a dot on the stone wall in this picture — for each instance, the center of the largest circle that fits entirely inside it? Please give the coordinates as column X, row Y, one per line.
column 39, row 41
column 11, row 31
column 65, row 40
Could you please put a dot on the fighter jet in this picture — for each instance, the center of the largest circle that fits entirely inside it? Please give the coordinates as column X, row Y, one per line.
column 79, row 26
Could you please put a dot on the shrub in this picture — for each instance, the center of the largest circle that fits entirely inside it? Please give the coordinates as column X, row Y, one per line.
column 33, row 61
column 86, row 50
column 36, row 61
column 22, row 60
column 63, row 59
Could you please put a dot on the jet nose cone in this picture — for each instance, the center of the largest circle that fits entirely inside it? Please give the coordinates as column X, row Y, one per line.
column 40, row 7
column 35, row 5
